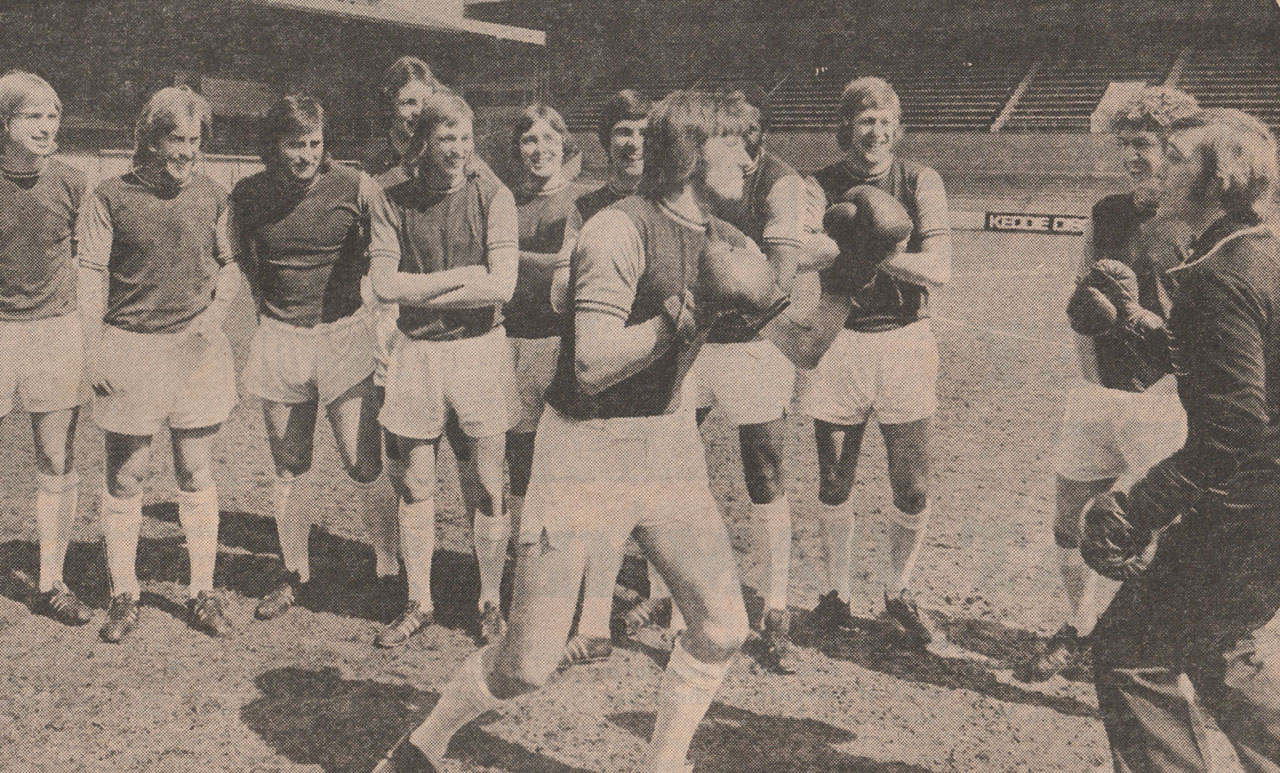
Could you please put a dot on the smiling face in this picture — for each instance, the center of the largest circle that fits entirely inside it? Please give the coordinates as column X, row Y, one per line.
column 301, row 154
column 178, row 149
column 1142, row 154
column 408, row 105
column 447, row 151
column 33, row 130
column 724, row 166
column 873, row 134
column 626, row 147
column 1183, row 181
column 542, row 150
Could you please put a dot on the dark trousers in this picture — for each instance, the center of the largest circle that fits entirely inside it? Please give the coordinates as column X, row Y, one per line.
column 1200, row 609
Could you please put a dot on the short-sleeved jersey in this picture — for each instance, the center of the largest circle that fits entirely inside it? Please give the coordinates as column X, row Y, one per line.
column 37, row 241
column 593, row 201
column 304, row 247
column 1117, row 235
column 439, row 230
column 769, row 211
column 545, row 218
column 628, row 260
column 162, row 249
column 886, row 302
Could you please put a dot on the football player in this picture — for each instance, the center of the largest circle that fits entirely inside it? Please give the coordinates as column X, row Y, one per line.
column 444, row 246
column 1201, row 605
column 41, row 343
column 156, row 236
column 1124, row 417
column 751, row 380
column 619, row 448
column 302, row 234
column 883, row 364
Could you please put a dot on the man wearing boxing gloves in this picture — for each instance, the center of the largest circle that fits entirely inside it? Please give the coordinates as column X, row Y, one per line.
column 1121, row 417
column 618, row 448
column 883, row 361
column 1199, row 602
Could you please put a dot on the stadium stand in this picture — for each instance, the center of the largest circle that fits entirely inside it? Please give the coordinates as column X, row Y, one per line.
column 1246, row 78
column 1064, row 93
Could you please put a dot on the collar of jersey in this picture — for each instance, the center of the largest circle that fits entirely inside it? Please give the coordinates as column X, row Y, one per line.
column 466, row 177
column 680, row 219
column 549, row 191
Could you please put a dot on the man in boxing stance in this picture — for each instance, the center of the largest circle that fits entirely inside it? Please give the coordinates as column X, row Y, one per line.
column 41, row 344
column 1201, row 604
column 884, row 363
column 1123, row 417
column 302, row 234
column 157, row 352
column 619, row 449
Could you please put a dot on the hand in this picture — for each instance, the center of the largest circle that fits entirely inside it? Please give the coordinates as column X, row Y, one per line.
column 870, row 227
column 96, row 372
column 207, row 324
column 1114, row 545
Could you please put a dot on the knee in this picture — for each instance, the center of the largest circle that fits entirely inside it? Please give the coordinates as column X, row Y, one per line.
column 195, row 478
column 126, row 482
column 365, row 471
column 718, row 637
column 515, row 677
column 765, row 485
column 832, row 493
column 416, row 487
column 293, row 464
column 1066, row 534
column 911, row 499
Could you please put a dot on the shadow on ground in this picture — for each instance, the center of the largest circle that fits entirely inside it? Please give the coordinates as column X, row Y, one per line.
column 966, row 657
column 734, row 740
column 315, row 717
column 343, row 581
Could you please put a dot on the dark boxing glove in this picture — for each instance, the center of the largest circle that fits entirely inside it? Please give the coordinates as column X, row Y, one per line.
column 869, row 226
column 736, row 278
column 1115, row 544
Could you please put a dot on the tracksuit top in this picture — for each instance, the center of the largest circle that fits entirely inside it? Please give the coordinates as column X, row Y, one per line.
column 593, row 201
column 37, row 241
column 304, row 246
column 1225, row 331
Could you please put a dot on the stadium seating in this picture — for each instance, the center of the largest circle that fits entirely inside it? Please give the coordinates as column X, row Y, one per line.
column 1064, row 93
column 1242, row 77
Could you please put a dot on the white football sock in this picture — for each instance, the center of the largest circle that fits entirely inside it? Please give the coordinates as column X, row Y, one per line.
column 121, row 519
column 837, row 546
column 294, row 529
column 198, row 513
column 906, row 537
column 418, row 546
column 601, row 574
column 688, row 685
column 464, row 698
column 772, row 526
column 55, row 514
column 377, row 502
column 490, row 534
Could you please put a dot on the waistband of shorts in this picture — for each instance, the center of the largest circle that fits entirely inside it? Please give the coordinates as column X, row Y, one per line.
column 883, row 326
column 55, row 320
column 358, row 317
